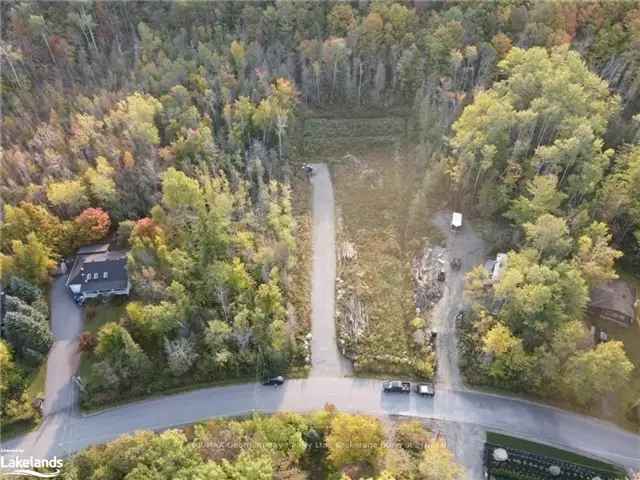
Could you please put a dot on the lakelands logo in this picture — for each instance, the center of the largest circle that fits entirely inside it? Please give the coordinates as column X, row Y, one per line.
column 13, row 465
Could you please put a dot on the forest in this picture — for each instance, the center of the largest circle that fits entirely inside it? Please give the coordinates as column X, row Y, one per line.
column 321, row 444
column 170, row 130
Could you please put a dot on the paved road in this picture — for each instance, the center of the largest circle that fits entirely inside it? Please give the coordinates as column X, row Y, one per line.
column 326, row 360
column 469, row 247
column 61, row 436
column 64, row 358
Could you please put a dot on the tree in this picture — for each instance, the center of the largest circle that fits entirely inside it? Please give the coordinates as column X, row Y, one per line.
column 181, row 355
column 25, row 333
column 598, row 372
column 438, row 463
column 101, row 183
column 340, row 20
column 91, row 225
column 7, row 367
column 353, row 439
column 549, row 235
column 68, row 196
column 543, row 198
column 32, row 260
column 595, row 258
column 26, row 218
column 120, row 354
column 510, row 133
column 510, row 365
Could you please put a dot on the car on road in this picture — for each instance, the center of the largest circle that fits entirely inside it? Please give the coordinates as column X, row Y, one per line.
column 396, row 386
column 425, row 389
column 274, row 381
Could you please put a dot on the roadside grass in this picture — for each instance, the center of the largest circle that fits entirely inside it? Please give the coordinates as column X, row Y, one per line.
column 552, row 452
column 37, row 381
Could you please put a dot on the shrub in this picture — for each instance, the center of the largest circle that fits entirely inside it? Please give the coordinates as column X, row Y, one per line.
column 88, row 342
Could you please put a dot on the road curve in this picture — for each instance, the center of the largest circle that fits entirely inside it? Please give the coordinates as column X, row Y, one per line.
column 326, row 360
column 63, row 435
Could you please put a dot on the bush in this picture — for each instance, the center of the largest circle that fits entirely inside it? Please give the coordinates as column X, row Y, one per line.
column 23, row 289
column 88, row 342
column 412, row 436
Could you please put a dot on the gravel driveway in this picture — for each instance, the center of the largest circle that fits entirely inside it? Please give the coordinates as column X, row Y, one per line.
column 468, row 246
column 326, row 360
column 64, row 358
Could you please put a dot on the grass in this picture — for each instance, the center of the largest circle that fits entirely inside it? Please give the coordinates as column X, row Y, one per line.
column 37, row 382
column 374, row 191
column 551, row 452
column 99, row 314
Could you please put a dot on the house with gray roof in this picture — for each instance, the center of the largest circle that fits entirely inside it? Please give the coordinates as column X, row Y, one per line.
column 98, row 272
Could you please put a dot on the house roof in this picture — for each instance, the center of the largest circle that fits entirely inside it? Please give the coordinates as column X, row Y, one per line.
column 100, row 271
column 96, row 248
column 616, row 295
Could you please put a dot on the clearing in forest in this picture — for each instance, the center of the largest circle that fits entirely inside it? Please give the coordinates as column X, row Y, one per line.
column 379, row 230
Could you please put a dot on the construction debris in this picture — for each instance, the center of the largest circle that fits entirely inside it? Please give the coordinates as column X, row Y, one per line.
column 426, row 269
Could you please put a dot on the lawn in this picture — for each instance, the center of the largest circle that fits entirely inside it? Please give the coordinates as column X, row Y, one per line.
column 98, row 314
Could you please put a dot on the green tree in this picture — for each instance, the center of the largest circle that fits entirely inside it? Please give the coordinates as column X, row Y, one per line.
column 549, row 235
column 592, row 374
column 542, row 198
column 594, row 257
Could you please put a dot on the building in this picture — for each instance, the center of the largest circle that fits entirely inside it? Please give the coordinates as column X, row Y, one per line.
column 614, row 301
column 98, row 272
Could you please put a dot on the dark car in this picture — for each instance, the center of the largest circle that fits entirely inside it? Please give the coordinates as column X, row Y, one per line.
column 274, row 381
column 425, row 389
column 441, row 276
column 396, row 386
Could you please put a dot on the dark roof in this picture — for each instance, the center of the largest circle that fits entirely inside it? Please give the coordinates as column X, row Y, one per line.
column 89, row 249
column 87, row 267
column 616, row 295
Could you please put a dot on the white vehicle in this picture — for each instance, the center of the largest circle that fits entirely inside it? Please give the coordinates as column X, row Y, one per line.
column 456, row 221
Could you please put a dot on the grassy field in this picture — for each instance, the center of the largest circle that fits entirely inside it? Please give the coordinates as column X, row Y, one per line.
column 374, row 191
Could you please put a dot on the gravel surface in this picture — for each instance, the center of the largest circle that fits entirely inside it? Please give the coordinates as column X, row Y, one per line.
column 468, row 246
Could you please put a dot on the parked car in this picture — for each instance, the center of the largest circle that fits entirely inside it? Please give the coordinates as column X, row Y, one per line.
column 274, row 381
column 456, row 263
column 396, row 386
column 441, row 276
column 425, row 389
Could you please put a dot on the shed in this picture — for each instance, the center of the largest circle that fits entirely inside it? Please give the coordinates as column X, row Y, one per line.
column 614, row 301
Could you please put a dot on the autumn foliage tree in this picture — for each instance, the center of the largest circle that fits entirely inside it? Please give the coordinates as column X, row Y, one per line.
column 91, row 225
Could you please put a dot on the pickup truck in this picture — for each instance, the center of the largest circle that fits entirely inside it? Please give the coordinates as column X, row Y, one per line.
column 396, row 386
column 425, row 389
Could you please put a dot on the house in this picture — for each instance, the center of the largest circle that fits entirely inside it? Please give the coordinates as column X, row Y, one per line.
column 497, row 266
column 98, row 271
column 614, row 301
